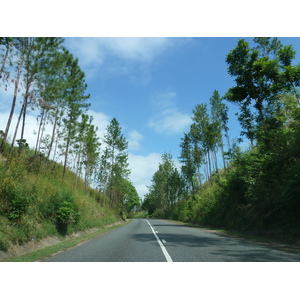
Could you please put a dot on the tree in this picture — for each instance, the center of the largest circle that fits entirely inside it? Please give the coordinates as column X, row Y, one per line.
column 260, row 80
column 204, row 132
column 116, row 160
column 8, row 43
column 19, row 45
column 90, row 145
column 103, row 172
column 219, row 115
column 189, row 161
column 37, row 55
column 75, row 99
column 131, row 198
column 38, row 52
column 55, row 84
column 52, row 85
column 167, row 186
column 5, row 40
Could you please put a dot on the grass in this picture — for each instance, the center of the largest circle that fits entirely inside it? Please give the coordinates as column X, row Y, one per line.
column 35, row 202
column 40, row 254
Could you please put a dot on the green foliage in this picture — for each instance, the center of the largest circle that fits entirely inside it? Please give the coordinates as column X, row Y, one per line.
column 259, row 189
column 131, row 199
column 3, row 244
column 167, row 188
column 34, row 205
column 67, row 213
column 17, row 207
column 15, row 196
column 5, row 40
column 114, row 164
column 261, row 74
column 60, row 207
column 39, row 197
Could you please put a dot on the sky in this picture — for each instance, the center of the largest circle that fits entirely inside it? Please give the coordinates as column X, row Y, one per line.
column 150, row 85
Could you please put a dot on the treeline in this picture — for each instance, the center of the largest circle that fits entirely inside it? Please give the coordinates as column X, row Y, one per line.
column 258, row 188
column 46, row 78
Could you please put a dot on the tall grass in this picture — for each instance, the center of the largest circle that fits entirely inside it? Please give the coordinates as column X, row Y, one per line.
column 35, row 202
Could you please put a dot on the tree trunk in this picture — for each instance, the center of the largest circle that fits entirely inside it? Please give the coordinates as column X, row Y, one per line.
column 111, row 176
column 4, row 60
column 216, row 161
column 25, row 109
column 38, row 135
column 53, row 135
column 16, row 129
column 223, row 156
column 209, row 164
column 12, row 106
column 77, row 166
column 56, row 142
column 228, row 140
column 66, row 155
column 43, row 130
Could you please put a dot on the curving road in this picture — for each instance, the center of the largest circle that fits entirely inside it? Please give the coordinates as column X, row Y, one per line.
column 154, row 240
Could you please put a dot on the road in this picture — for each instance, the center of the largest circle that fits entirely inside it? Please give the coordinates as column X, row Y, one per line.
column 152, row 240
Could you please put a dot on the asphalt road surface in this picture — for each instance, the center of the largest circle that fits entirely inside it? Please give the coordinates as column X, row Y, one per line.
column 151, row 240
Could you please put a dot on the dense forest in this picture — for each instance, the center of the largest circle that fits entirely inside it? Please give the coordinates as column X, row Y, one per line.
column 38, row 196
column 257, row 189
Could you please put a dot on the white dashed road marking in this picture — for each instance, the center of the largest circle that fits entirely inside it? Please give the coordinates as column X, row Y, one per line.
column 164, row 250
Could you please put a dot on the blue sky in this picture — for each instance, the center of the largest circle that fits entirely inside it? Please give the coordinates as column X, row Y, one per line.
column 151, row 86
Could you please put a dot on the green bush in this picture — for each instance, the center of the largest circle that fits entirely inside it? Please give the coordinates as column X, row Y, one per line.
column 14, row 196
column 3, row 243
column 17, row 207
column 67, row 213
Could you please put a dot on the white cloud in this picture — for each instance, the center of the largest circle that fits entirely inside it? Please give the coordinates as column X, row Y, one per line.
column 167, row 118
column 137, row 48
column 96, row 52
column 134, row 140
column 163, row 100
column 170, row 121
column 142, row 170
column 100, row 120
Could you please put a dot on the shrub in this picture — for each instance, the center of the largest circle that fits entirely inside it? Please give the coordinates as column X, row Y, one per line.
column 3, row 243
column 67, row 213
column 17, row 207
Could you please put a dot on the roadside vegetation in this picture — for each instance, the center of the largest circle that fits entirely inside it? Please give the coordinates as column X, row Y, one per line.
column 35, row 205
column 256, row 190
column 64, row 244
column 71, row 179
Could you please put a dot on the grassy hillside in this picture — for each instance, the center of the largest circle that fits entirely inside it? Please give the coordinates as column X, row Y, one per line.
column 259, row 193
column 35, row 202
